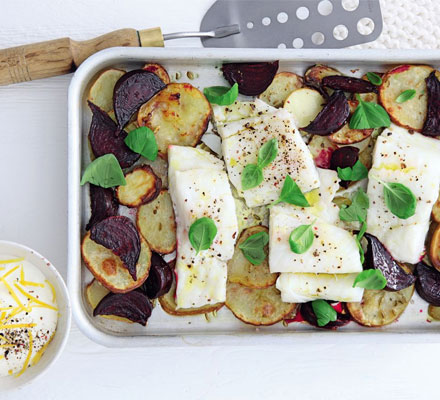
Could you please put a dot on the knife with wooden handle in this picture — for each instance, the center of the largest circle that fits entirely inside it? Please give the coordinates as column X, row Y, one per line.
column 62, row 56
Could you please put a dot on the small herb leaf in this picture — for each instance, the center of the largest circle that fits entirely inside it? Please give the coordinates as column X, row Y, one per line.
column 253, row 247
column 267, row 153
column 357, row 210
column 324, row 312
column 221, row 95
column 104, row 171
column 291, row 194
column 370, row 279
column 301, row 239
column 358, row 238
column 202, row 233
column 405, row 96
column 251, row 176
column 369, row 115
column 143, row 142
column 400, row 200
column 356, row 173
column 374, row 78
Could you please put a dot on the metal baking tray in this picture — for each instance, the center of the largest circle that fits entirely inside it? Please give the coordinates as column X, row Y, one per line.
column 166, row 330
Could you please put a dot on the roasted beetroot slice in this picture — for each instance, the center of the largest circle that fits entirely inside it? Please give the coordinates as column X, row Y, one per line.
column 119, row 235
column 378, row 257
column 344, row 157
column 331, row 117
column 160, row 278
column 134, row 306
column 348, row 84
column 131, row 91
column 103, row 140
column 309, row 316
column 428, row 283
column 252, row 78
column 103, row 204
column 432, row 123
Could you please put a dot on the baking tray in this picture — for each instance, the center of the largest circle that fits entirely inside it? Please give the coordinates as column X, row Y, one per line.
column 166, row 330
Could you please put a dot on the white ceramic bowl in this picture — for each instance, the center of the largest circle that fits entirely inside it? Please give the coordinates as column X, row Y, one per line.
column 57, row 344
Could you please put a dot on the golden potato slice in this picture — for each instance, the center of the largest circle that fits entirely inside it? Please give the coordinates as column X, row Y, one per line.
column 380, row 307
column 143, row 186
column 257, row 306
column 434, row 247
column 282, row 85
column 108, row 268
column 160, row 168
column 412, row 113
column 156, row 223
column 241, row 271
column 345, row 135
column 160, row 71
column 436, row 211
column 304, row 104
column 316, row 73
column 366, row 154
column 101, row 91
column 168, row 303
column 178, row 114
column 434, row 312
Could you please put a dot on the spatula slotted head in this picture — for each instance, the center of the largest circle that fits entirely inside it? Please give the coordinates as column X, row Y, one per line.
column 297, row 24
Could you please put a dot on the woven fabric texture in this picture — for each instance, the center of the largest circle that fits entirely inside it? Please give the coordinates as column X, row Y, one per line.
column 408, row 24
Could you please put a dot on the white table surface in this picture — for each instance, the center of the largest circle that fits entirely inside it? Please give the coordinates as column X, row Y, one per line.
column 33, row 200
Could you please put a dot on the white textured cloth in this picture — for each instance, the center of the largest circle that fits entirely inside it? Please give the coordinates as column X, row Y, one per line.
column 408, row 24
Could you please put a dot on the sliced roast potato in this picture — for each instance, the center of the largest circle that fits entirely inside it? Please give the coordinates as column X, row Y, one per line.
column 257, row 306
column 316, row 73
column 434, row 248
column 241, row 271
column 160, row 168
column 142, row 187
column 168, row 303
column 380, row 307
column 412, row 113
column 179, row 114
column 101, row 91
column 434, row 312
column 156, row 223
column 160, row 71
column 346, row 135
column 322, row 149
column 282, row 85
column 304, row 104
column 109, row 269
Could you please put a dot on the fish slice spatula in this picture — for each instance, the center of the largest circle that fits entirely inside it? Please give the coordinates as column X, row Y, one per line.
column 295, row 23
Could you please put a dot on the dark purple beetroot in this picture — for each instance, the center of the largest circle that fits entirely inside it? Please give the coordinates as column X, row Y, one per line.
column 432, row 123
column 343, row 317
column 103, row 140
column 131, row 91
column 344, row 157
column 332, row 117
column 348, row 84
column 252, row 78
column 119, row 235
column 103, row 204
column 159, row 278
column 428, row 283
column 134, row 306
column 378, row 257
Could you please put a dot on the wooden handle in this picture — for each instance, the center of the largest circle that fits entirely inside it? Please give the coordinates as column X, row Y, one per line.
column 62, row 56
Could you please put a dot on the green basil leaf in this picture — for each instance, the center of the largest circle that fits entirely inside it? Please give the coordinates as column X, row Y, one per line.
column 372, row 279
column 362, row 231
column 369, row 115
column 104, row 171
column 143, row 142
column 361, row 250
column 405, row 96
column 251, row 176
column 253, row 247
column 291, row 194
column 399, row 199
column 301, row 239
column 202, row 233
column 374, row 78
column 267, row 153
column 324, row 312
column 357, row 210
column 221, row 95
column 356, row 173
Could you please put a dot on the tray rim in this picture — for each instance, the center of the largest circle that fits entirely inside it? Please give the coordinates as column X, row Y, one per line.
column 117, row 55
